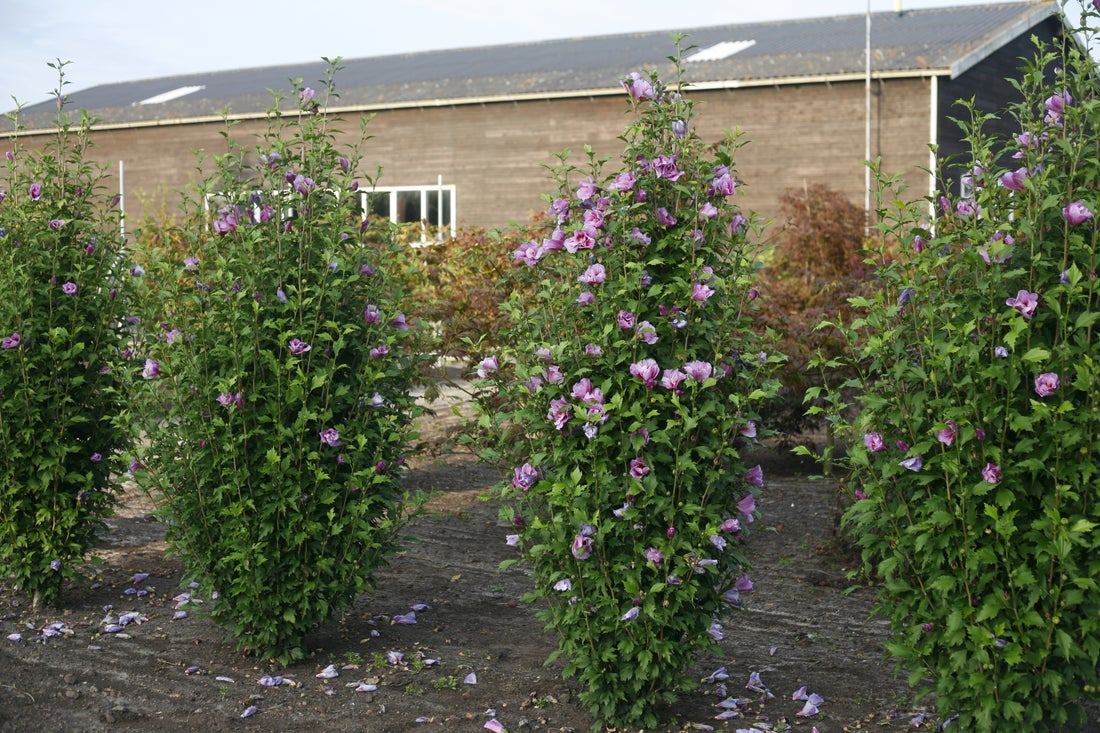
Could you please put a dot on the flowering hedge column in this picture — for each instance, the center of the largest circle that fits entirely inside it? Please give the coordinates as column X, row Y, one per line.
column 62, row 400
column 975, row 481
column 624, row 408
column 278, row 374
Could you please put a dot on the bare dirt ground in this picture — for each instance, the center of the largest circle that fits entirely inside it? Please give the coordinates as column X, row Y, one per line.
column 475, row 654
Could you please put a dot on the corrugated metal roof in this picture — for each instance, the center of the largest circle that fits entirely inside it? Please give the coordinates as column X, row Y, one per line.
column 918, row 41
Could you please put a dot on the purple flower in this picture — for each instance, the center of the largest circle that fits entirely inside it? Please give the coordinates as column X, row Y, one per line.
column 625, row 319
column 724, row 184
column 664, row 166
column 372, row 314
column 56, row 224
column 947, row 435
column 1000, row 352
column 1056, row 104
column 226, row 224
column 1024, row 302
column 560, row 412
column 594, row 275
column 36, row 191
column 1076, row 213
column 151, row 369
column 1014, row 180
column 966, row 208
column 524, row 477
column 227, row 399
column 755, row 476
column 1046, row 384
column 583, row 238
column 488, row 365
column 730, row 525
column 647, row 371
column 623, row 182
column 699, row 371
column 55, row 565
column 664, row 218
column 298, row 347
column 582, row 547
column 12, row 342
column 671, row 378
column 529, row 253
column 638, row 468
column 646, row 332
column 330, row 437
column 638, row 87
column 747, row 506
column 630, row 615
column 700, row 292
column 913, row 464
column 654, row 555
column 69, row 288
column 991, row 473
column 512, row 540
column 564, row 585
column 873, row 442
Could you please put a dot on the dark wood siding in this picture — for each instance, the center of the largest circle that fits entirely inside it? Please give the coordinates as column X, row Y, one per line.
column 987, row 85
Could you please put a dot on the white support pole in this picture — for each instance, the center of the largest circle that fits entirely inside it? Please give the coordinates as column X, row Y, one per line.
column 439, row 209
column 867, row 132
column 122, row 197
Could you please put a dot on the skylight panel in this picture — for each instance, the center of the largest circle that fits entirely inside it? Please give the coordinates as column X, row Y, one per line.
column 173, row 94
column 720, row 51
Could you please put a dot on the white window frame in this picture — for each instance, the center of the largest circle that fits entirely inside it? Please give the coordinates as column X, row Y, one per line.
column 393, row 195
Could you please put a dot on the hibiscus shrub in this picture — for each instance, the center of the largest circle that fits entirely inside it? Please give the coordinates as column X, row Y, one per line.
column 61, row 359
column 277, row 370
column 624, row 403
column 976, row 453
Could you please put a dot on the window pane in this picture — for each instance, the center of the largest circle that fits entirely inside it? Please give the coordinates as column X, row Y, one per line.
column 408, row 206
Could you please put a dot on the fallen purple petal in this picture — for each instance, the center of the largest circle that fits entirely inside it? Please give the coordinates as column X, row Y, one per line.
column 816, row 699
column 405, row 619
column 420, row 607
column 328, row 673
column 727, row 715
column 269, row 681
column 15, row 637
column 800, row 694
column 223, row 678
column 193, row 669
column 495, row 726
column 470, row 679
column 364, row 687
column 807, row 710
column 250, row 711
column 917, row 720
column 395, row 657
column 717, row 675
column 112, row 628
column 179, row 615
column 757, row 685
column 139, row 578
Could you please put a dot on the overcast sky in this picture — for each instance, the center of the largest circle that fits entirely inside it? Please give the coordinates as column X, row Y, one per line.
column 128, row 40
